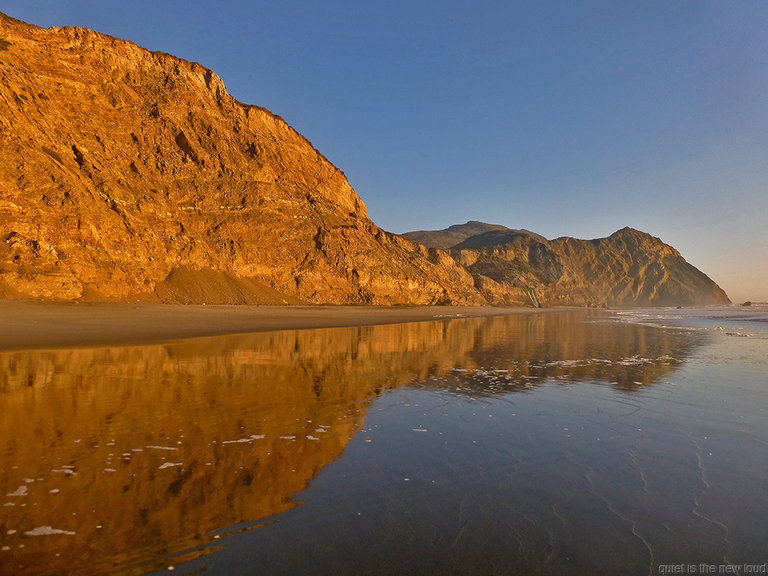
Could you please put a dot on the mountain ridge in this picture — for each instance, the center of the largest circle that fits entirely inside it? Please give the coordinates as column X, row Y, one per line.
column 127, row 174
column 627, row 268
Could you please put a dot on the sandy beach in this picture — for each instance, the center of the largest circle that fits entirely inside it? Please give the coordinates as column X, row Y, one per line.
column 27, row 324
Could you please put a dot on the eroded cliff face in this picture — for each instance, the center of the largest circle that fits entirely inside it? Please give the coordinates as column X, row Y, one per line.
column 628, row 268
column 127, row 174
column 131, row 174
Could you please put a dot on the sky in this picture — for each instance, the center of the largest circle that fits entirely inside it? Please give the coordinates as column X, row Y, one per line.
column 567, row 118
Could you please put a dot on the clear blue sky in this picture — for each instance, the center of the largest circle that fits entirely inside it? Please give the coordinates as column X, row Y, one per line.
column 564, row 117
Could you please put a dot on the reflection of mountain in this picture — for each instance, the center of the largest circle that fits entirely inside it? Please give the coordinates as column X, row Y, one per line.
column 145, row 450
column 563, row 347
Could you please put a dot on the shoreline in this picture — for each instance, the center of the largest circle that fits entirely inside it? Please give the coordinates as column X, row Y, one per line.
column 28, row 325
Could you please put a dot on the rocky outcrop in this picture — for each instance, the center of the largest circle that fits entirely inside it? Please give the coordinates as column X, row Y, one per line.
column 629, row 268
column 128, row 174
column 132, row 175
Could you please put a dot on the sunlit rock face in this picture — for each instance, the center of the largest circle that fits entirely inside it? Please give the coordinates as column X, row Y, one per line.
column 118, row 454
column 131, row 174
column 127, row 174
column 628, row 268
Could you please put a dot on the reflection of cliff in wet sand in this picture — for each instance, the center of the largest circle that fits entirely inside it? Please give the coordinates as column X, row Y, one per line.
column 563, row 347
column 148, row 449
column 130, row 453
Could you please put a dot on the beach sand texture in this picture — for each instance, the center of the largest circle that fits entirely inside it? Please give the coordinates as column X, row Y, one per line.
column 28, row 324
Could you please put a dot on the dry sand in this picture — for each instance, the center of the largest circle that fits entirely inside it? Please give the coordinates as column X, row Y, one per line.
column 25, row 324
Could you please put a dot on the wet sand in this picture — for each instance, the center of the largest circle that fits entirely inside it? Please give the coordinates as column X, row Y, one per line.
column 26, row 325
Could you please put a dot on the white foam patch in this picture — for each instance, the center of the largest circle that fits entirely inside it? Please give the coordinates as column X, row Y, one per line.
column 170, row 464
column 48, row 531
column 250, row 438
column 20, row 491
column 162, row 447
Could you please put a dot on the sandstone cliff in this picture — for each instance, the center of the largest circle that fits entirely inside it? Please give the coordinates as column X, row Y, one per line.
column 127, row 174
column 629, row 268
column 130, row 174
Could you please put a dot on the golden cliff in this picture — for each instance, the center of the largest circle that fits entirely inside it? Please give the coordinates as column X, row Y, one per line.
column 128, row 174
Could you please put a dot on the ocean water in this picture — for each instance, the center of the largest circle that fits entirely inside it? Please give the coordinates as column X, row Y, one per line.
column 620, row 442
